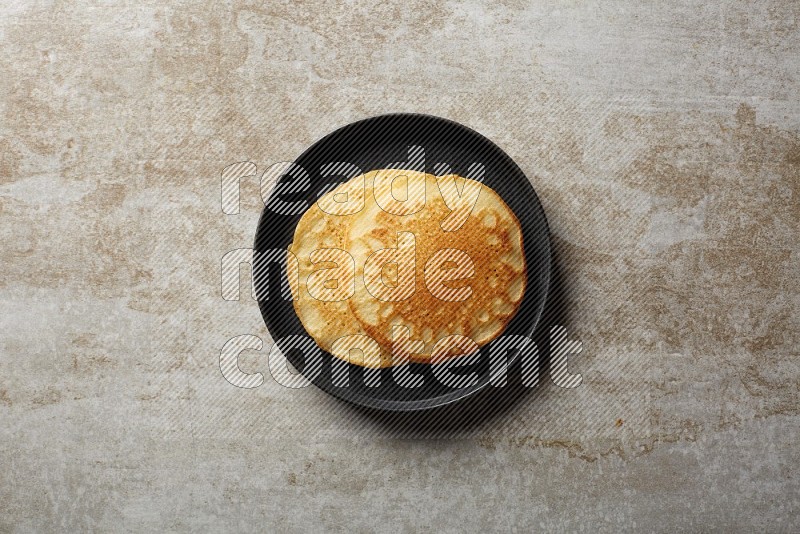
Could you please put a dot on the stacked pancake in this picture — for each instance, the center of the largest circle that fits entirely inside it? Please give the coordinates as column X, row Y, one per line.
column 396, row 265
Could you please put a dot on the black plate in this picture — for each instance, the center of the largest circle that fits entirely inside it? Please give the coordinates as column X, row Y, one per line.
column 377, row 143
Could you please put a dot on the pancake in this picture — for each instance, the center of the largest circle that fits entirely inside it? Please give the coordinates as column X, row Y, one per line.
column 322, row 307
column 404, row 229
column 485, row 253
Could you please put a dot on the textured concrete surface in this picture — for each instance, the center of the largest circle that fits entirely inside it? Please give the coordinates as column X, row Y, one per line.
column 662, row 137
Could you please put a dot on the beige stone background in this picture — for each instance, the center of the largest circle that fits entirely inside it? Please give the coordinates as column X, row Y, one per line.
column 662, row 137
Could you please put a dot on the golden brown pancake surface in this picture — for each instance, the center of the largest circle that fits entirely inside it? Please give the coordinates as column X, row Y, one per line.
column 322, row 307
column 424, row 264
